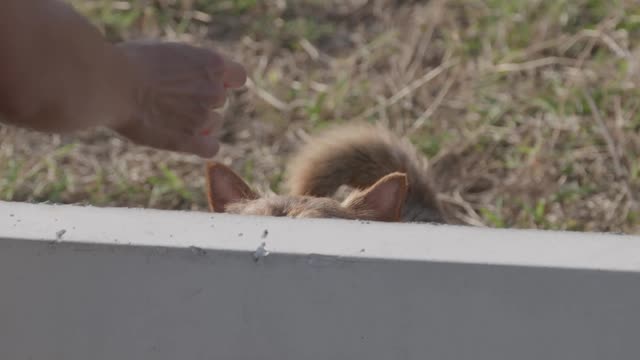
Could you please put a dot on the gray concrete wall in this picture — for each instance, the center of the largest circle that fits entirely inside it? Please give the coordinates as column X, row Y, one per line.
column 87, row 283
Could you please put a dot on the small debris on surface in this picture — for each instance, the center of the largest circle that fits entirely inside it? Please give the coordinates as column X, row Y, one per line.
column 60, row 234
column 11, row 215
column 261, row 252
column 240, row 234
column 265, row 233
column 198, row 251
column 362, row 250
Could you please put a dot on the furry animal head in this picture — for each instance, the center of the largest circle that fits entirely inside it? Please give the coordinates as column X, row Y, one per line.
column 382, row 201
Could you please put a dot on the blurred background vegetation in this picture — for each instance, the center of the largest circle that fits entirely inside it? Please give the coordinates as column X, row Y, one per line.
column 528, row 109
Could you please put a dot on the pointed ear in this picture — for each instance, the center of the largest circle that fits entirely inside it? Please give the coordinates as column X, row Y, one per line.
column 224, row 187
column 383, row 200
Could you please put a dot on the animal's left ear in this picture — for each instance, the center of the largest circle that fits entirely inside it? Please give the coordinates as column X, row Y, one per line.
column 225, row 187
column 383, row 200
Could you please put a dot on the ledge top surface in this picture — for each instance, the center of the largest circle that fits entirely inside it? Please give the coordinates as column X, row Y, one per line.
column 323, row 237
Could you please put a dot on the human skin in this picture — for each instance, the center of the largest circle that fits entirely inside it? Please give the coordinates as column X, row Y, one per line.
column 58, row 74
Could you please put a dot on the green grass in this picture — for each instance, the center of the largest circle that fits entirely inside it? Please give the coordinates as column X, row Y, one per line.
column 511, row 133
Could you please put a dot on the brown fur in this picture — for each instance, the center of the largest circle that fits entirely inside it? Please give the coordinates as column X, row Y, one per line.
column 382, row 201
column 358, row 156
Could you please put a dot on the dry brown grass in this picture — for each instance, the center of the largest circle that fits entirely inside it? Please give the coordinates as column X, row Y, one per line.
column 528, row 109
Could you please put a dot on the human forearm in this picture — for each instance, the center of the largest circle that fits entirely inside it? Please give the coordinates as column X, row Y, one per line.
column 57, row 73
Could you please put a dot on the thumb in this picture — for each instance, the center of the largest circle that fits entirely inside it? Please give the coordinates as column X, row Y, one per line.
column 234, row 75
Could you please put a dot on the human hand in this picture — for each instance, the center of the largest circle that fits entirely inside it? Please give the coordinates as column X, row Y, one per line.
column 178, row 86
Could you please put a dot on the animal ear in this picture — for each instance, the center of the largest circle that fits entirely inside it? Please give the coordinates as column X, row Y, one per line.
column 225, row 187
column 383, row 200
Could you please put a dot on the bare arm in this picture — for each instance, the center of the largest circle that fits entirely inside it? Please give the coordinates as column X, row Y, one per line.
column 58, row 74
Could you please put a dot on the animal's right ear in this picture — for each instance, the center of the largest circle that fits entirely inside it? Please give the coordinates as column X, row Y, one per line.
column 225, row 187
column 383, row 200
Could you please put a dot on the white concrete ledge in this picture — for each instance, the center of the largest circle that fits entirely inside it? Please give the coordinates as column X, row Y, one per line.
column 89, row 283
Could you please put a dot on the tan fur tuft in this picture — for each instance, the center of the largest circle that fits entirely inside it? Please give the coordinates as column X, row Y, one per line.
column 358, row 156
